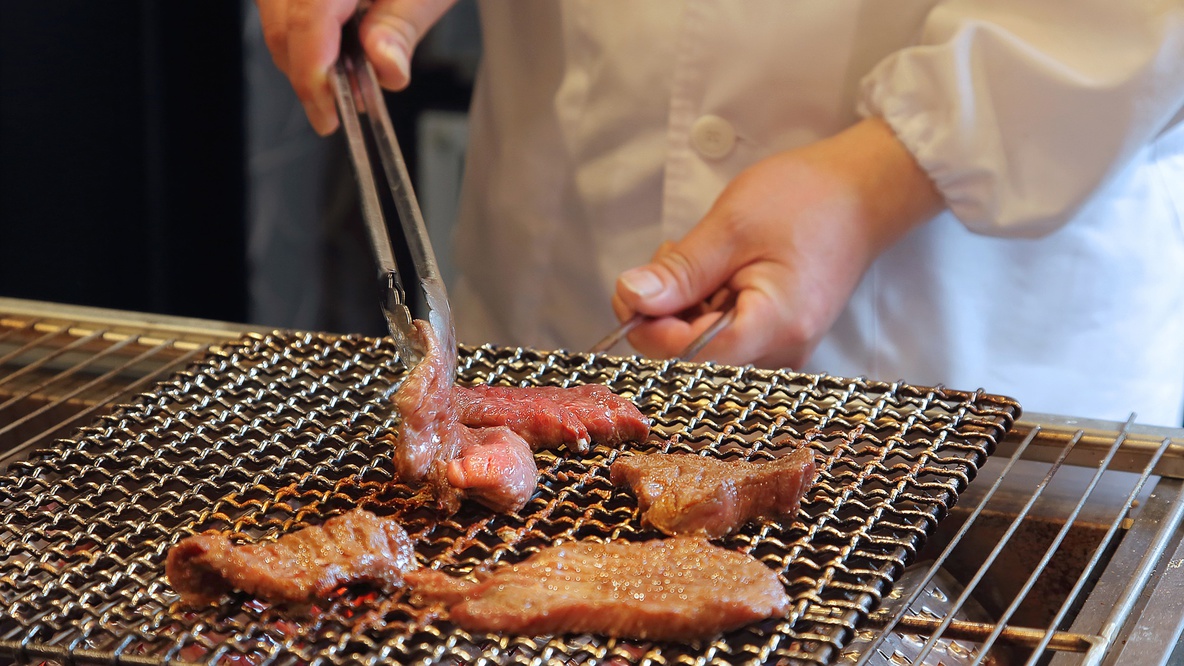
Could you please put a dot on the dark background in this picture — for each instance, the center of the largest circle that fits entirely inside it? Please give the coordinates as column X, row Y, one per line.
column 121, row 155
column 123, row 179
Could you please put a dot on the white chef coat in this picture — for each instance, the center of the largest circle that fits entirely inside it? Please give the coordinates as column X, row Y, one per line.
column 602, row 127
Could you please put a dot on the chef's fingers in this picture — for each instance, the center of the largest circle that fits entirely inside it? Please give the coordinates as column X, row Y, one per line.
column 750, row 337
column 313, row 40
column 665, row 247
column 273, row 17
column 304, row 37
column 390, row 32
column 682, row 276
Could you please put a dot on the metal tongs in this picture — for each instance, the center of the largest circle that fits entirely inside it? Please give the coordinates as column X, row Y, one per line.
column 352, row 73
column 723, row 301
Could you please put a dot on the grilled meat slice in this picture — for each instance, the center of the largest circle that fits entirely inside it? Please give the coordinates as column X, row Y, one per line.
column 353, row 547
column 684, row 494
column 494, row 466
column 669, row 589
column 551, row 416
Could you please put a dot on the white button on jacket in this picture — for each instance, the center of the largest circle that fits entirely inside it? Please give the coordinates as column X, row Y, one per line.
column 602, row 127
column 713, row 137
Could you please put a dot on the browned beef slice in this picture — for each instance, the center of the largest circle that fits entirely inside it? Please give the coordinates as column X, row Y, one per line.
column 685, row 494
column 353, row 547
column 668, row 589
column 551, row 416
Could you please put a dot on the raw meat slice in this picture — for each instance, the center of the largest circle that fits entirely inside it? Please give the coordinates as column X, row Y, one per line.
column 685, row 494
column 494, row 466
column 683, row 588
column 353, row 547
column 552, row 416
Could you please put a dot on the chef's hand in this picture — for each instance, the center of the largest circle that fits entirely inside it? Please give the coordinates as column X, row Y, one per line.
column 304, row 37
column 791, row 236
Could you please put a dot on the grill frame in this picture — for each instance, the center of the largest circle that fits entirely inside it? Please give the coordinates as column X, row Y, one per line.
column 871, row 428
column 1130, row 615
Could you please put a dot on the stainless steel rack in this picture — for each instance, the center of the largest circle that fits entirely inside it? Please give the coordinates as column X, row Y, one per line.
column 1066, row 548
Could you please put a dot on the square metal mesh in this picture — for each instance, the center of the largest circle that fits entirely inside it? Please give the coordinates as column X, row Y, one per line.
column 285, row 430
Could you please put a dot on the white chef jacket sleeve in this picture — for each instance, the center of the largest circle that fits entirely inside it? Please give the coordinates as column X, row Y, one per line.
column 1021, row 110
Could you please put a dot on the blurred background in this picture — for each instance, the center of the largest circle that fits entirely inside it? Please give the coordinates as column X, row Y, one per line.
column 152, row 158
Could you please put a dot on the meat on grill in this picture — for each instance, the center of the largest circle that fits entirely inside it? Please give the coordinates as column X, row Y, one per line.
column 494, row 466
column 354, row 547
column 551, row 416
column 684, row 493
column 477, row 442
column 683, row 588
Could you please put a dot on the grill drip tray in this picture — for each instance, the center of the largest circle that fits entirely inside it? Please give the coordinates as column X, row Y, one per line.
column 285, row 430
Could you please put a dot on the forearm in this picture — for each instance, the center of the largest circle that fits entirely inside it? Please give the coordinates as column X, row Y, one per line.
column 892, row 191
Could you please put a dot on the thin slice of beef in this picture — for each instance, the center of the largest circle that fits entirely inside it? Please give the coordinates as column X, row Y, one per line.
column 668, row 589
column 354, row 547
column 685, row 494
column 494, row 466
column 551, row 416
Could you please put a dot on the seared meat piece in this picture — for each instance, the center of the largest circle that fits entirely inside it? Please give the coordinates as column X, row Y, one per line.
column 355, row 546
column 683, row 493
column 550, row 416
column 493, row 465
column 669, row 589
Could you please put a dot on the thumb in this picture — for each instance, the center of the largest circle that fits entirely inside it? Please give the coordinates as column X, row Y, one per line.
column 680, row 275
column 390, row 32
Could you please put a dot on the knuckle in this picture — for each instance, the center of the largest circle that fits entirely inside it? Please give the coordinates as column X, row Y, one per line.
column 302, row 15
column 684, row 269
column 800, row 332
column 276, row 38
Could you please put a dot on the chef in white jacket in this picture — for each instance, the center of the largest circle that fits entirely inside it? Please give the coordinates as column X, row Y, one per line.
column 973, row 193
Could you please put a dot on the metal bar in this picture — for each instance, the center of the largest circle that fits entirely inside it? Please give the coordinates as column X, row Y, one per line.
column 42, row 361
column 89, row 361
column 1122, row 610
column 123, row 321
column 949, row 549
column 13, row 453
column 708, row 334
column 66, row 656
column 1140, row 444
column 1173, row 517
column 33, row 344
column 994, row 554
column 1161, row 621
column 12, row 331
column 1133, row 543
column 1060, row 537
column 101, row 378
column 978, row 631
column 609, row 341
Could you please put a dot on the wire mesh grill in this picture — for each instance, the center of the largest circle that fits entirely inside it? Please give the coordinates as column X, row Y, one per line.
column 284, row 430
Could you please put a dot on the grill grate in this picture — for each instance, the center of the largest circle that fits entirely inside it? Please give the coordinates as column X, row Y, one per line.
column 285, row 430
